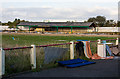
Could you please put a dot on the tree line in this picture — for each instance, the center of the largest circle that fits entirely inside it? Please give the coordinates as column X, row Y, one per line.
column 12, row 24
column 100, row 21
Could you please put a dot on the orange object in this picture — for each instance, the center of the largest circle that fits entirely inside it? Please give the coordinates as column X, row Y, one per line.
column 94, row 56
column 88, row 50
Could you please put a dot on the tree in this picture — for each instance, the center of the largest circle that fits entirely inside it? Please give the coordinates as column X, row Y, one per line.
column 10, row 24
column 118, row 24
column 22, row 21
column 14, row 23
column 110, row 23
column 0, row 23
column 92, row 19
column 102, row 22
column 101, row 19
column 17, row 21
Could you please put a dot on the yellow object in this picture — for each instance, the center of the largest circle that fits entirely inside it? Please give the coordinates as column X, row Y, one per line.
column 40, row 29
column 70, row 32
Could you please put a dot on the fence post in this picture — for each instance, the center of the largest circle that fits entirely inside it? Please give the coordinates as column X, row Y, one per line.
column 72, row 50
column 99, row 41
column 2, row 62
column 117, row 41
column 33, row 56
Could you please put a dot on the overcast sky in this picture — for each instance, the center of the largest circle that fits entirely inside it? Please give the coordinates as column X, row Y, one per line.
column 57, row 10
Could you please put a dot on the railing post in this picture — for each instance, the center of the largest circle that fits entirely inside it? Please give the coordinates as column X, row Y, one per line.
column 71, row 50
column 33, row 56
column 2, row 62
column 99, row 41
column 117, row 41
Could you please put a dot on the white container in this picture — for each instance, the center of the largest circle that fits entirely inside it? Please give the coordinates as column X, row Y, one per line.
column 101, row 50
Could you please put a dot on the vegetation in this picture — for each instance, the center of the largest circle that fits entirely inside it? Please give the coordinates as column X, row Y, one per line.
column 14, row 23
column 102, row 22
column 27, row 40
column 118, row 23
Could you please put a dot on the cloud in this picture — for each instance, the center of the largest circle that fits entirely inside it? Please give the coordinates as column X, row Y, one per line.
column 60, row 1
column 45, row 13
column 110, row 13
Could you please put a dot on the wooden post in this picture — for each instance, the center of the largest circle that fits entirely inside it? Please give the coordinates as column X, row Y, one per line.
column 72, row 50
column 33, row 56
column 2, row 62
column 117, row 41
column 99, row 41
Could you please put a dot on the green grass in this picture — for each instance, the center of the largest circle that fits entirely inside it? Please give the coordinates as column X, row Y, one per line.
column 28, row 40
column 19, row 60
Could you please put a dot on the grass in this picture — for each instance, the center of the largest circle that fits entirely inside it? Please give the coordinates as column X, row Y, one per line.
column 19, row 60
column 27, row 40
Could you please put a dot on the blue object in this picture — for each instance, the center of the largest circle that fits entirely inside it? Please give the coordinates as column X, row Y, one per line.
column 107, row 48
column 81, row 40
column 74, row 63
column 13, row 38
column 109, row 51
column 79, row 64
column 104, row 41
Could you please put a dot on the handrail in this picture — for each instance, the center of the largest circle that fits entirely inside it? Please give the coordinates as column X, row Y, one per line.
column 53, row 45
column 49, row 45
column 111, row 39
column 16, row 48
column 36, row 46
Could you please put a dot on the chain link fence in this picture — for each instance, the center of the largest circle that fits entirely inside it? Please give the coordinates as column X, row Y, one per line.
column 17, row 61
column 47, row 57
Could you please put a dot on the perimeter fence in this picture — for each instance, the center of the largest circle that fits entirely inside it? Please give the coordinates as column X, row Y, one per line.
column 36, row 58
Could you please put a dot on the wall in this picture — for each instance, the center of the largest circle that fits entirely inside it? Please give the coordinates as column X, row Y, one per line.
column 74, row 30
column 3, row 27
column 24, row 28
column 107, row 29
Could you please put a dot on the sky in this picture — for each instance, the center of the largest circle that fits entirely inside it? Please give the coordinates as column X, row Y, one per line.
column 57, row 10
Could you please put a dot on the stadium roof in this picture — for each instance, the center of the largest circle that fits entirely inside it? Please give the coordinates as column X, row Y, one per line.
column 57, row 24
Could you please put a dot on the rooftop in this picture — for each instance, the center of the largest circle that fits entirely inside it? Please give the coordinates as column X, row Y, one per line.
column 50, row 24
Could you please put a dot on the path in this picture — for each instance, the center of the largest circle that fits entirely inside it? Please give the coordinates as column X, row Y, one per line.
column 102, row 68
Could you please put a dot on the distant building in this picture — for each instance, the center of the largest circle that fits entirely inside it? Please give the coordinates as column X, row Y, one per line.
column 6, row 28
column 107, row 29
column 77, row 27
column 3, row 28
